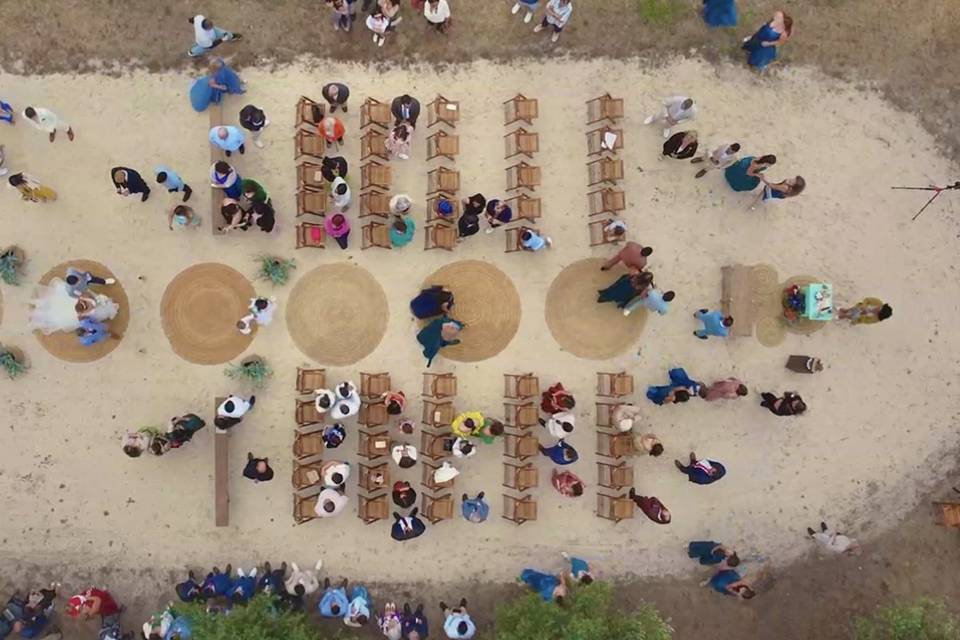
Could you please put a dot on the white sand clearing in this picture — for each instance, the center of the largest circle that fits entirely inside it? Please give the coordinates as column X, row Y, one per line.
column 879, row 419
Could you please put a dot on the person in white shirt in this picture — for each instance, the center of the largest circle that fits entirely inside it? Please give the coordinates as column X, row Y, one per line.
column 400, row 204
column 614, row 228
column 231, row 411
column 378, row 23
column 560, row 425
column 626, row 416
column 334, row 473
column 245, row 324
column 437, row 13
column 676, row 109
column 340, row 193
column 557, row 16
column 722, row 157
column 306, row 578
column 262, row 309
column 445, row 472
column 348, row 401
column 463, row 448
column 206, row 35
column 330, row 502
column 833, row 541
column 48, row 121
column 405, row 455
column 457, row 622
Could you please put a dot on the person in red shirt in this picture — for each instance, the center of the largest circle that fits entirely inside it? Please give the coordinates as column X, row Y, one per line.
column 556, row 399
column 567, row 483
column 93, row 602
column 633, row 256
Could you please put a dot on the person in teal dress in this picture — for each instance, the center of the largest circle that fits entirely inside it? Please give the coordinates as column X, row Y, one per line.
column 439, row 333
column 401, row 231
column 720, row 13
column 548, row 586
column 744, row 175
column 625, row 288
column 761, row 47
column 788, row 188
column 729, row 583
column 209, row 89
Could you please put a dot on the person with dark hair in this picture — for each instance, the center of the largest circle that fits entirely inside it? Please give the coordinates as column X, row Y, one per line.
column 207, row 36
column 560, row 425
column 745, row 174
column 395, row 401
column 728, row 583
column 209, row 88
column 728, row 389
column 475, row 510
column 231, row 411
column 405, row 455
column 341, row 16
column 173, row 182
column 567, row 483
column 708, row 552
column 647, row 443
column 184, row 216
column 340, row 194
column 834, row 541
column 183, row 428
column 407, row 527
column 789, row 188
column 136, row 442
column 488, row 431
column 272, row 581
column 468, row 224
column 306, row 578
column 330, row 502
column 475, row 205
column 867, row 311
column 556, row 17
column 338, row 227
column 651, row 507
column 701, row 471
column 676, row 109
column 556, row 399
column 722, row 157
column 217, row 583
column 791, row 404
column 714, row 324
column 405, row 109
column 333, row 167
column 579, row 568
column 336, row 94
column 626, row 289
column 334, row 474
column 633, row 255
column 403, row 494
column 262, row 216
column 189, row 590
column 46, row 120
column 413, row 624
column 457, row 623
column 398, row 142
column 228, row 139
column 530, row 240
column 244, row 586
column 680, row 389
column 761, row 47
column 333, row 435
column 223, row 176
column 292, row 602
column 463, row 448
column 79, row 281
column 402, row 230
column 439, row 333
column 334, row 602
column 498, row 213
column 561, row 453
column 30, row 189
column 550, row 587
column 680, row 146
column 128, row 182
column 257, row 469
column 652, row 299
column 254, row 120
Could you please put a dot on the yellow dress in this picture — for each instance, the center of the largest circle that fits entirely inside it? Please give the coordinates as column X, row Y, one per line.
column 35, row 192
column 462, row 430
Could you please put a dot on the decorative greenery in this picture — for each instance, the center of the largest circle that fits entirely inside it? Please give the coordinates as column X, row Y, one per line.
column 255, row 370
column 588, row 614
column 660, row 12
column 11, row 263
column 11, row 364
column 922, row 620
column 276, row 270
column 257, row 620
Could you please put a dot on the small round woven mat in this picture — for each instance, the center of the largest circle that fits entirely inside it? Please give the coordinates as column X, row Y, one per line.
column 199, row 312
column 579, row 323
column 803, row 326
column 337, row 314
column 487, row 301
column 771, row 331
column 764, row 279
column 66, row 346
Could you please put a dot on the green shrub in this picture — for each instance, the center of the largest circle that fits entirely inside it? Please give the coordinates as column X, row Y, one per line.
column 660, row 12
column 11, row 363
column 589, row 614
column 257, row 620
column 254, row 369
column 276, row 270
column 922, row 620
column 11, row 265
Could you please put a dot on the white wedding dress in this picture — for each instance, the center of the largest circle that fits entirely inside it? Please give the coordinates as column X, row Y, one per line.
column 55, row 310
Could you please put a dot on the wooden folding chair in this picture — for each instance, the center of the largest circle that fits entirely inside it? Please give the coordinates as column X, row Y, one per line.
column 310, row 235
column 606, row 201
column 373, row 445
column 443, row 180
column 375, row 175
column 312, row 202
column 519, row 107
column 519, row 510
column 599, row 234
column 596, row 141
column 438, row 414
column 306, row 474
column 429, row 481
column 616, row 477
column 614, row 385
column 523, row 176
column 520, row 477
column 443, row 110
column 520, row 142
column 433, row 216
column 374, row 385
column 605, row 414
column 371, row 510
column 520, row 416
column 440, row 236
column 520, row 386
column 514, row 238
column 439, row 385
column 372, row 144
column 309, row 112
column 372, row 414
column 615, row 445
column 309, row 144
column 605, row 107
column 521, row 446
column 304, row 508
column 373, row 478
column 604, row 170
column 306, row 412
column 375, row 234
column 310, row 177
column 374, row 203
column 947, row 514
column 443, row 145
column 309, row 380
column 432, row 445
column 374, row 112
column 614, row 508
column 525, row 207
column 436, row 508
column 308, row 444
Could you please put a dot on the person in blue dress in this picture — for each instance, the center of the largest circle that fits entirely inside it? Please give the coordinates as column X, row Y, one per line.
column 474, row 510
column 720, row 13
column 333, row 603
column 761, row 47
column 550, row 587
column 625, row 288
column 680, row 389
column 708, row 552
column 579, row 568
column 431, row 302
column 441, row 332
column 729, row 583
column 744, row 175
column 209, row 88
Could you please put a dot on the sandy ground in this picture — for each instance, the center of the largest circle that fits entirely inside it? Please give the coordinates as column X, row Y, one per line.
column 860, row 457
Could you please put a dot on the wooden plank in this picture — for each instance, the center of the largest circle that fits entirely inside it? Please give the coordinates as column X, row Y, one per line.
column 221, row 472
column 216, row 154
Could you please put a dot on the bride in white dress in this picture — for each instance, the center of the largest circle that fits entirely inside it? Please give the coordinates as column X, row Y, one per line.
column 54, row 309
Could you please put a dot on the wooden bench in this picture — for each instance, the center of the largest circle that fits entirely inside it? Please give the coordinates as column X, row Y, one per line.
column 221, row 472
column 216, row 154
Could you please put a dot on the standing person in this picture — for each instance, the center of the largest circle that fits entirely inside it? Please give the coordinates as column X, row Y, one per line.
column 653, row 299
column 457, row 623
column 332, row 130
column 708, row 552
column 48, row 121
column 728, row 389
column 676, row 109
column 833, row 541
column 128, row 182
column 680, row 389
column 341, row 16
column 334, row 602
column 474, row 510
column 714, row 324
column 358, row 610
column 207, row 36
column 223, row 176
column 209, row 88
column 254, row 120
column 183, row 428
column 625, row 416
column 378, row 23
column 720, row 13
column 330, row 502
column 338, row 227
column 306, row 578
column 761, row 47
column 333, row 166
column 414, row 625
column 498, row 213
column 745, row 174
column 530, row 240
column 633, row 255
column 561, row 453
column 340, row 194
column 720, row 158
column 701, row 471
column 556, row 399
column 231, row 411
column 398, row 142
column 557, row 16
column 437, row 13
column 91, row 332
column 560, row 425
column 401, row 231
column 336, row 95
column 651, row 507
column 626, row 289
column 552, row 588
column 391, row 9
column 567, row 483
column 791, row 404
column 789, row 188
column 680, row 146
column 79, row 281
column 406, row 108
column 867, row 311
column 172, row 181
column 257, row 469
column 30, row 188
column 529, row 5
column 228, row 138
column 6, row 112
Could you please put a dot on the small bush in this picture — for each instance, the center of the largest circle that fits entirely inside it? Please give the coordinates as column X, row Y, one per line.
column 254, row 370
column 660, row 12
column 276, row 270
column 922, row 620
column 257, row 620
column 11, row 265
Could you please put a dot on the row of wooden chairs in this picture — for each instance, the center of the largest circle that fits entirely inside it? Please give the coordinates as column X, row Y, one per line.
column 604, row 170
column 311, row 188
column 521, row 392
column 442, row 182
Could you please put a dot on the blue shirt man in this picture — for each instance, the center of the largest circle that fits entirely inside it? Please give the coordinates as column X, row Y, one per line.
column 229, row 139
column 714, row 324
column 91, row 332
column 653, row 299
column 561, row 453
column 475, row 509
column 173, row 182
column 333, row 603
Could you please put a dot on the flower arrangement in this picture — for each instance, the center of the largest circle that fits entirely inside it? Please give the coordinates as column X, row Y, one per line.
column 254, row 370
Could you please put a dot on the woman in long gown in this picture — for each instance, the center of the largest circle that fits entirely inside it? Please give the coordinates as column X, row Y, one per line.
column 761, row 47
column 744, row 175
column 720, row 13
column 440, row 333
column 625, row 288
column 54, row 309
column 209, row 89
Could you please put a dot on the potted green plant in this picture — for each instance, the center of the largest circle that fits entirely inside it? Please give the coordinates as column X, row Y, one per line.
column 276, row 270
column 13, row 361
column 253, row 369
column 12, row 260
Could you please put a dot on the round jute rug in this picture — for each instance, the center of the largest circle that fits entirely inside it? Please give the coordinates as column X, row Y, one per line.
column 579, row 323
column 199, row 312
column 487, row 301
column 337, row 314
column 803, row 326
column 66, row 346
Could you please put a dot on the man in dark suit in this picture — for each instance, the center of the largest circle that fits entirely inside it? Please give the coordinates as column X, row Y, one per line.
column 405, row 109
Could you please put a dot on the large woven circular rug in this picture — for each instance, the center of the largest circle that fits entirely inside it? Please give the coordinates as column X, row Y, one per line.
column 66, row 346
column 200, row 309
column 486, row 300
column 579, row 323
column 337, row 314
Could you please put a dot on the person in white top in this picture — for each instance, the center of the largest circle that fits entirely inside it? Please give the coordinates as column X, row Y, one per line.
column 626, row 416
column 560, row 425
column 405, row 455
column 676, row 109
column 206, row 35
column 437, row 13
column 334, row 473
column 400, row 204
column 231, row 411
column 614, row 228
column 330, row 502
column 463, row 448
column 445, row 472
column 378, row 23
column 720, row 158
column 833, row 541
column 306, row 578
column 262, row 309
column 557, row 16
column 348, row 401
column 340, row 193
column 48, row 121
